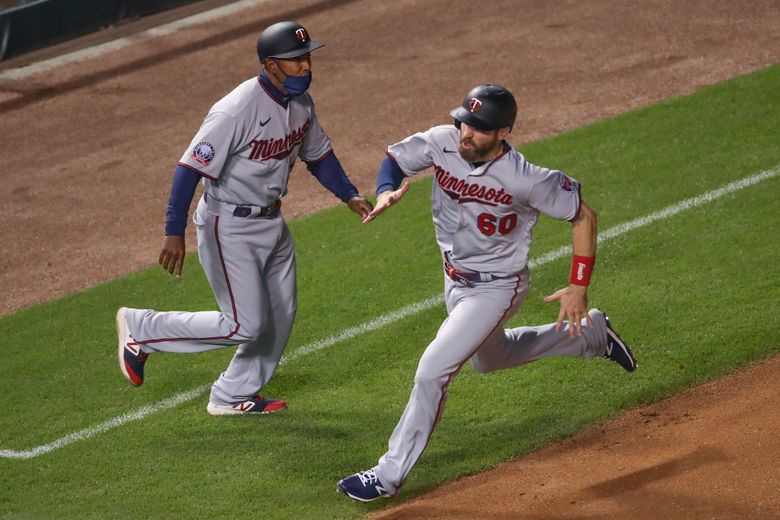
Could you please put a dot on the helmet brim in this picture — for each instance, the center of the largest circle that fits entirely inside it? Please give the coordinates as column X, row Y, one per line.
column 464, row 116
column 310, row 46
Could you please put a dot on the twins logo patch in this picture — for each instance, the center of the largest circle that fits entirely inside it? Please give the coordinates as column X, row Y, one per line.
column 301, row 35
column 475, row 104
column 203, row 153
column 565, row 182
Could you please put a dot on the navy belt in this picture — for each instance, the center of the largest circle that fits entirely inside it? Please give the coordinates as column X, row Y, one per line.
column 252, row 211
column 468, row 278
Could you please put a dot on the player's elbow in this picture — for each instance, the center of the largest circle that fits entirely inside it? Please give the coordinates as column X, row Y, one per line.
column 586, row 213
column 590, row 212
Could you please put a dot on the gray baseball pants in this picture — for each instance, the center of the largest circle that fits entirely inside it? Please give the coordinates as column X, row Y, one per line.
column 474, row 330
column 250, row 265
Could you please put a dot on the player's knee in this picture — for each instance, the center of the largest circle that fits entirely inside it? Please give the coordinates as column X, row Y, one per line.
column 249, row 333
column 479, row 365
column 430, row 375
column 423, row 379
column 245, row 331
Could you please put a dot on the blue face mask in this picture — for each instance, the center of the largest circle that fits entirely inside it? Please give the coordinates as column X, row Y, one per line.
column 296, row 85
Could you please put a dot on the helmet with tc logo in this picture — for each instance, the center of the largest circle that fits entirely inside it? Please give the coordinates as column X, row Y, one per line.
column 285, row 40
column 486, row 107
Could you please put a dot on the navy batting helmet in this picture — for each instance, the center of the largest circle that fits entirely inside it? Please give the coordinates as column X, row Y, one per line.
column 486, row 107
column 285, row 40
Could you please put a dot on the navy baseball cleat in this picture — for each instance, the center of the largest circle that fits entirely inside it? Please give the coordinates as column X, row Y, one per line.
column 131, row 357
column 258, row 405
column 363, row 487
column 617, row 350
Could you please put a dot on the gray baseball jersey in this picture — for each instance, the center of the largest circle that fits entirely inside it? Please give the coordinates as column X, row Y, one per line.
column 249, row 142
column 245, row 150
column 485, row 215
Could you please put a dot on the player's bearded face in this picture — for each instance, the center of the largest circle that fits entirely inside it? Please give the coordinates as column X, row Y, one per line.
column 478, row 145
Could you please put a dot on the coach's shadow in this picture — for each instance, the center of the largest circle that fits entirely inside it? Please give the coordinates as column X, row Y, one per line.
column 306, row 428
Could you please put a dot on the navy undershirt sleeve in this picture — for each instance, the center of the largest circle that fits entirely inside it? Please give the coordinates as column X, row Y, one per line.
column 389, row 176
column 184, row 183
column 329, row 172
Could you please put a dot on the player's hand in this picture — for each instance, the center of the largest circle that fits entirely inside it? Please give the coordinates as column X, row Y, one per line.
column 172, row 255
column 360, row 206
column 385, row 200
column 574, row 307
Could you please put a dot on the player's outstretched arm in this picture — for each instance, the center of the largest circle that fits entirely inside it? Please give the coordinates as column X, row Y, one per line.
column 386, row 199
column 329, row 172
column 574, row 298
column 172, row 254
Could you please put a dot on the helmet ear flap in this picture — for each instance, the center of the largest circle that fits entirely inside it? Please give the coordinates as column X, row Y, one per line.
column 456, row 122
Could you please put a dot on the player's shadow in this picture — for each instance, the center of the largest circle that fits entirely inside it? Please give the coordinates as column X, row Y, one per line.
column 612, row 489
column 702, row 456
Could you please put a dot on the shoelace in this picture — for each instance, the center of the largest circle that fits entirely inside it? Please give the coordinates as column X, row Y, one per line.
column 367, row 477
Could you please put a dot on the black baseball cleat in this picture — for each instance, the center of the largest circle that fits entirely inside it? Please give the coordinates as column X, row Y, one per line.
column 131, row 357
column 363, row 486
column 617, row 350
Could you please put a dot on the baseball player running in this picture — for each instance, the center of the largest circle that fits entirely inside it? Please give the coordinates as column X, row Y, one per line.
column 243, row 155
column 486, row 199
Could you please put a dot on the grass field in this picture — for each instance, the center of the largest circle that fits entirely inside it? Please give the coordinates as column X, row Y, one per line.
column 696, row 294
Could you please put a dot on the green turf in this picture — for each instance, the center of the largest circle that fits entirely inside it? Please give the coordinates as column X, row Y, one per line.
column 696, row 295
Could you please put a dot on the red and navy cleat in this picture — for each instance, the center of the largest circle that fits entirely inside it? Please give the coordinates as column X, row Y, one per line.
column 363, row 487
column 617, row 350
column 131, row 357
column 258, row 405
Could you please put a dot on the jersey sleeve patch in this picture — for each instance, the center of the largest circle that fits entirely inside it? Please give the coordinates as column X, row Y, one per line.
column 203, row 153
column 565, row 182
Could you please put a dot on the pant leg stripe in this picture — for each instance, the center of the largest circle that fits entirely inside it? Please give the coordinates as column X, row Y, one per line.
column 502, row 319
column 230, row 292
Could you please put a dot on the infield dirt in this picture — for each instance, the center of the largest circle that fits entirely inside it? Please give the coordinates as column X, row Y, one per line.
column 90, row 148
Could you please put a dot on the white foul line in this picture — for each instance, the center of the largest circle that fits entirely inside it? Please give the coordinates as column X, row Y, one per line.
column 105, row 426
column 120, row 43
column 667, row 212
column 386, row 319
column 374, row 324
